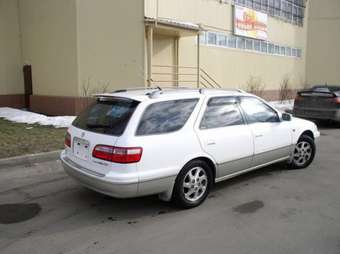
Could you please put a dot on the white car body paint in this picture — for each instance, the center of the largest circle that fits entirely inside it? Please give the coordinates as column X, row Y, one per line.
column 231, row 150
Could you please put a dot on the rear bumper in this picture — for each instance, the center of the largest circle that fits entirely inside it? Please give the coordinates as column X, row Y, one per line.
column 98, row 182
column 120, row 187
column 317, row 114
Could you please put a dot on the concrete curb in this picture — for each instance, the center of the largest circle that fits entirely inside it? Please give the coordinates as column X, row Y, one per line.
column 29, row 159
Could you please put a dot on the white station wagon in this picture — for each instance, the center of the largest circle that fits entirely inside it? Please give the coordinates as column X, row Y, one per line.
column 178, row 142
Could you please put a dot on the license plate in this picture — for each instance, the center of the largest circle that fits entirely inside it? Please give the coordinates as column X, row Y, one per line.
column 81, row 148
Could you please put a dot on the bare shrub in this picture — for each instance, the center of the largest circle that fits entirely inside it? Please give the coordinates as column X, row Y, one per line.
column 285, row 92
column 87, row 91
column 255, row 86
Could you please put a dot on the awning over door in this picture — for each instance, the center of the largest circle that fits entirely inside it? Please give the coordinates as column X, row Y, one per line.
column 173, row 27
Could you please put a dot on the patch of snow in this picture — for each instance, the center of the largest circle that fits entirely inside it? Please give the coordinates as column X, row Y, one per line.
column 21, row 116
column 283, row 106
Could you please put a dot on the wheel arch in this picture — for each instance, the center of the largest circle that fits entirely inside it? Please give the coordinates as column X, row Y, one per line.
column 308, row 133
column 207, row 160
column 167, row 196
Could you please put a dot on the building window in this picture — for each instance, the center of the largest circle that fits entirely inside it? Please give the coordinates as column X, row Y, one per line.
column 283, row 51
column 249, row 44
column 277, row 49
column 277, row 8
column 231, row 41
column 294, row 52
column 249, row 3
column 212, row 38
column 264, row 47
column 257, row 5
column 241, row 43
column 299, row 53
column 264, row 5
column 203, row 38
column 288, row 51
column 257, row 45
column 221, row 40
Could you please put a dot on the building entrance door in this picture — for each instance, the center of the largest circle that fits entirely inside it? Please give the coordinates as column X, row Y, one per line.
column 164, row 59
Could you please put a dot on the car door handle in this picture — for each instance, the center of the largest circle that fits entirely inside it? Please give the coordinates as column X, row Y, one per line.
column 211, row 143
column 259, row 136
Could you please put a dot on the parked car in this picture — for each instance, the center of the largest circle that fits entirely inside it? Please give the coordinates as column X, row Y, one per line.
column 318, row 103
column 178, row 142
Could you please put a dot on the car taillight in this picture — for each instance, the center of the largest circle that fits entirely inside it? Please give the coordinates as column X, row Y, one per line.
column 67, row 141
column 117, row 154
column 298, row 98
column 337, row 100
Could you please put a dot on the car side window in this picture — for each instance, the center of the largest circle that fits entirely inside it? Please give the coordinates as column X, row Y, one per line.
column 258, row 112
column 165, row 117
column 221, row 112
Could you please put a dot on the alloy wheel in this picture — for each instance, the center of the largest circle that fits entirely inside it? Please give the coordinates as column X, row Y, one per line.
column 302, row 153
column 195, row 184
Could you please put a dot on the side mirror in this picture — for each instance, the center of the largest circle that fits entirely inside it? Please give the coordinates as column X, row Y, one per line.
column 286, row 117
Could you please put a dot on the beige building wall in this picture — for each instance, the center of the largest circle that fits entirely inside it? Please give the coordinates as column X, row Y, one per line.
column 11, row 77
column 233, row 68
column 110, row 44
column 49, row 44
column 323, row 52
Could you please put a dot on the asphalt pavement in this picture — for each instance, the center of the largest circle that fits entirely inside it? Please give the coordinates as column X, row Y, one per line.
column 272, row 210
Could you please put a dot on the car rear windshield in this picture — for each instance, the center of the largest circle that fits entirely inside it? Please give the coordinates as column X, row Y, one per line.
column 107, row 116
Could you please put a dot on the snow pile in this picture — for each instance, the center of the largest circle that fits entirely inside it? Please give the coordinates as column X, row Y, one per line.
column 283, row 106
column 21, row 116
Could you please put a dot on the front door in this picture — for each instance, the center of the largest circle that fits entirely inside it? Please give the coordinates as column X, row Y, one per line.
column 272, row 137
column 225, row 136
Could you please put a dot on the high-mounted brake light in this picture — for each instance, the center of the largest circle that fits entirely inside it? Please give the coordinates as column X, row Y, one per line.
column 118, row 154
column 67, row 141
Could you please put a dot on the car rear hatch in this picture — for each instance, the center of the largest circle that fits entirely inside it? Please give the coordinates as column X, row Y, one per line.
column 100, row 125
column 316, row 103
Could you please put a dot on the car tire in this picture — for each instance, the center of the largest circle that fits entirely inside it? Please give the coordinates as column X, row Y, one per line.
column 192, row 184
column 304, row 153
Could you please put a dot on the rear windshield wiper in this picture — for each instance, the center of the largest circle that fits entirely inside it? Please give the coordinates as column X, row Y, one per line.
column 95, row 126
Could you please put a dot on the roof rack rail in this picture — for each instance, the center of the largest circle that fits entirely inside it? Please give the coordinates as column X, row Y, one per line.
column 154, row 94
column 135, row 89
column 241, row 91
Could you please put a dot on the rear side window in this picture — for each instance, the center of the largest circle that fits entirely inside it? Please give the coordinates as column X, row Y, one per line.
column 221, row 112
column 165, row 117
column 107, row 116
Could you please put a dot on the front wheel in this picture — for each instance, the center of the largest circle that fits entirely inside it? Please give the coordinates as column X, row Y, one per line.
column 193, row 184
column 304, row 153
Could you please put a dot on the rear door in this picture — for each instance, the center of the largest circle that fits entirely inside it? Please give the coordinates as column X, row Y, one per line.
column 224, row 135
column 272, row 137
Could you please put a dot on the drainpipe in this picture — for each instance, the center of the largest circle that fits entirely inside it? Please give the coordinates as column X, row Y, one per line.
column 149, row 54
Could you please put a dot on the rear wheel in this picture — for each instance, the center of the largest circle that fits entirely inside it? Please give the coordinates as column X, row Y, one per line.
column 304, row 153
column 192, row 184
